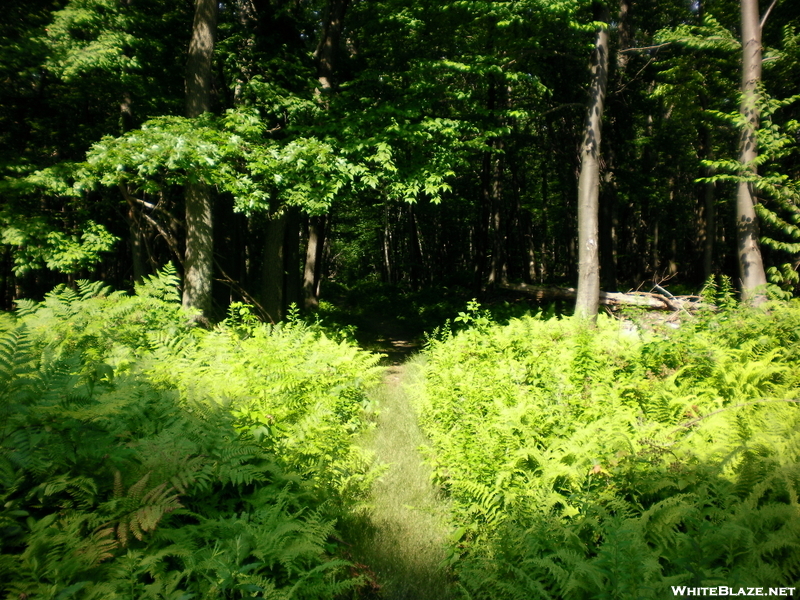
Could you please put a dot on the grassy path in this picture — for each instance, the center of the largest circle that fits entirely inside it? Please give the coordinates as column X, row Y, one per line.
column 403, row 538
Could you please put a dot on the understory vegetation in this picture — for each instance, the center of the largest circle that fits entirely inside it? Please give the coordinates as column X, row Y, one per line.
column 616, row 462
column 144, row 457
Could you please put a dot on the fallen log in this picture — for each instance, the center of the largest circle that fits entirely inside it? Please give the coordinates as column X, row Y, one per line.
column 647, row 300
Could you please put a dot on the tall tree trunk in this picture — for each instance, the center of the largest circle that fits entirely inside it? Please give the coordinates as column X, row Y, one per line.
column 328, row 45
column 708, row 212
column 588, row 297
column 325, row 55
column 135, row 228
column 313, row 265
column 199, row 257
column 273, row 292
column 751, row 267
column 137, row 244
column 292, row 257
column 483, row 219
column 618, row 121
column 388, row 246
column 708, row 218
column 498, row 267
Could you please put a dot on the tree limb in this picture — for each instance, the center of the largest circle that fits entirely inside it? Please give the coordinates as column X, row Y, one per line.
column 171, row 242
column 766, row 14
column 640, row 299
column 645, row 48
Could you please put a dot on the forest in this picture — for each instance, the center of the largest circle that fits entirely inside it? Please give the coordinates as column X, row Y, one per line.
column 383, row 300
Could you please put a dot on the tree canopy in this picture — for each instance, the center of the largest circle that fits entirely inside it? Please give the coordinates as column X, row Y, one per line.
column 438, row 143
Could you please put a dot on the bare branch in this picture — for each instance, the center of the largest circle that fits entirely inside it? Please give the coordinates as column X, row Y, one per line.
column 133, row 201
column 635, row 77
column 766, row 14
column 236, row 287
column 646, row 48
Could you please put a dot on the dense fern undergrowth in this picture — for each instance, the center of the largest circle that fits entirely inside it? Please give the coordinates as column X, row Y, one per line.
column 617, row 462
column 142, row 457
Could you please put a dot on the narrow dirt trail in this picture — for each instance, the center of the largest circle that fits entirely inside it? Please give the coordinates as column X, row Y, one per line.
column 403, row 538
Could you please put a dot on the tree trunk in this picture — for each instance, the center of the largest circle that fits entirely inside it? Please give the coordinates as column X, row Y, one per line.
column 619, row 122
column 483, row 218
column 137, row 244
column 291, row 253
column 751, row 267
column 325, row 55
column 708, row 220
column 199, row 224
column 328, row 45
column 313, row 266
column 388, row 245
column 642, row 299
column 273, row 273
column 587, row 301
column 498, row 265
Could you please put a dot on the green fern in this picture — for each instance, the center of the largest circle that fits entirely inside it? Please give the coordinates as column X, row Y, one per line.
column 131, row 460
column 591, row 465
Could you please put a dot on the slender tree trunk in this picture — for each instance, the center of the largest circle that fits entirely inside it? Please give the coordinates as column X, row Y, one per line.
column 483, row 216
column 708, row 213
column 708, row 220
column 617, row 120
column 417, row 271
column 199, row 257
column 608, row 221
column 587, row 302
column 292, row 257
column 751, row 267
column 325, row 55
column 388, row 245
column 498, row 266
column 247, row 15
column 134, row 223
column 710, row 224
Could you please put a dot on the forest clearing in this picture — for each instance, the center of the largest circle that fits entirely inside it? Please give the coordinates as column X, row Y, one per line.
column 399, row 299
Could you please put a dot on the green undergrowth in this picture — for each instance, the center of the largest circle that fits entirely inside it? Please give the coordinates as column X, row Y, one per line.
column 144, row 457
column 616, row 462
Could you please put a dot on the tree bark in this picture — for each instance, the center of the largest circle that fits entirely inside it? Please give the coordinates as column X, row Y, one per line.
column 325, row 56
column 328, row 45
column 617, row 119
column 291, row 253
column 708, row 214
column 137, row 244
column 273, row 273
column 498, row 265
column 587, row 300
column 313, row 265
column 199, row 256
column 751, row 266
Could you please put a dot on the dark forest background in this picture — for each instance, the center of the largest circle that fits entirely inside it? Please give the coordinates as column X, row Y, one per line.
column 418, row 144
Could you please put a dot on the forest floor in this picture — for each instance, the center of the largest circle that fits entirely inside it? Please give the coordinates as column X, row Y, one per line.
column 401, row 539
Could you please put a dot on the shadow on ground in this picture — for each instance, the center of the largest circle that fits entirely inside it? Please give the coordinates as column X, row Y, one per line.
column 401, row 542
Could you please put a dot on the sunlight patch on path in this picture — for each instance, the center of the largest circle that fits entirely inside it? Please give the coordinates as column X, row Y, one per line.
column 403, row 538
